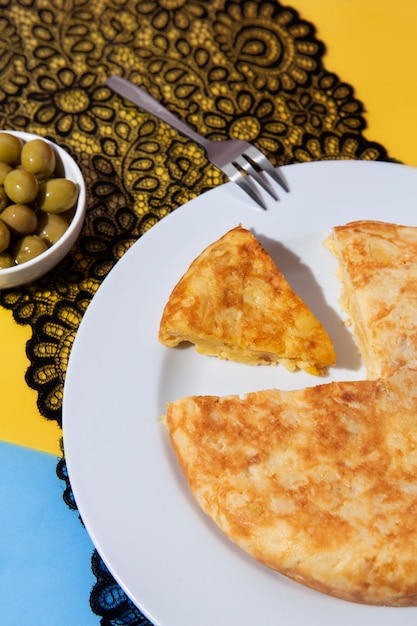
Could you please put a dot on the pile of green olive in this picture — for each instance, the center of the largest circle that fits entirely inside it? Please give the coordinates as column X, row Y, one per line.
column 36, row 204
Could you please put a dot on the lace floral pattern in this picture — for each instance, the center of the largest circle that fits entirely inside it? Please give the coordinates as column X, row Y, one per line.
column 249, row 69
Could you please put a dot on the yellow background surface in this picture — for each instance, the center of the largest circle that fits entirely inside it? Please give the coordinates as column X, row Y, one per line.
column 370, row 44
column 20, row 420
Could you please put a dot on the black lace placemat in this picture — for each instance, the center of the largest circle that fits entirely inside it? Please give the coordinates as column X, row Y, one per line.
column 232, row 69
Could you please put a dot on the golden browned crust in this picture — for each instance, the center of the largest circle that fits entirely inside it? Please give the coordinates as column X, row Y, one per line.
column 318, row 484
column 235, row 304
column 378, row 268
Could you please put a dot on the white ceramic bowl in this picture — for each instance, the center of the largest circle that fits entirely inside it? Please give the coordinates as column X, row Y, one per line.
column 40, row 265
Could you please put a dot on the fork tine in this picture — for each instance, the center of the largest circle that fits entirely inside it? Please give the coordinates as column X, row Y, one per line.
column 247, row 166
column 256, row 156
column 244, row 183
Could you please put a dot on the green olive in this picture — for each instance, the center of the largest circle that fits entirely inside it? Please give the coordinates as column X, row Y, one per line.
column 6, row 260
column 10, row 148
column 4, row 237
column 69, row 215
column 5, row 168
column 20, row 219
column 51, row 227
column 57, row 195
column 28, row 248
column 4, row 200
column 38, row 157
column 21, row 186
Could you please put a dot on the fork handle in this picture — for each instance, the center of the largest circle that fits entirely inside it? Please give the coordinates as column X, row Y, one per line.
column 138, row 96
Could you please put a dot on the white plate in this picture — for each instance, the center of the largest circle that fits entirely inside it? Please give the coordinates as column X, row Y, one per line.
column 170, row 559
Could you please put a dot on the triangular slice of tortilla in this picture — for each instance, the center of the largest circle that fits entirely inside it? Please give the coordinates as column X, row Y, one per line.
column 378, row 270
column 234, row 303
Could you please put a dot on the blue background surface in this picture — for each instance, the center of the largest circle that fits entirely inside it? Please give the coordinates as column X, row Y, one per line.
column 45, row 552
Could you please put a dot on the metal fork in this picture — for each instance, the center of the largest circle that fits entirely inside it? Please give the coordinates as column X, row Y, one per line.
column 239, row 160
